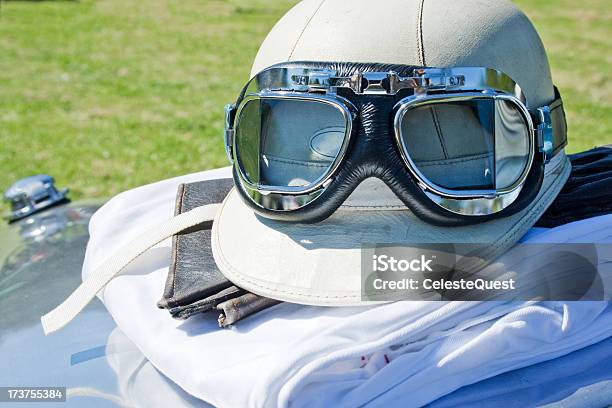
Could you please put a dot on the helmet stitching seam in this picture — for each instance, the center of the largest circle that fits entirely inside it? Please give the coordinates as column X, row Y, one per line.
column 304, row 29
column 419, row 33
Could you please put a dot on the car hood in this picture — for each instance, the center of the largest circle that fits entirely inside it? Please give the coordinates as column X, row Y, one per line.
column 40, row 265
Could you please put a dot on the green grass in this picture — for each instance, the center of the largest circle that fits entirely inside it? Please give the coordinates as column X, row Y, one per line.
column 578, row 41
column 107, row 95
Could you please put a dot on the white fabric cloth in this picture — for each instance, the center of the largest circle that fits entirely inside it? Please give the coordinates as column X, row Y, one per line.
column 582, row 379
column 404, row 353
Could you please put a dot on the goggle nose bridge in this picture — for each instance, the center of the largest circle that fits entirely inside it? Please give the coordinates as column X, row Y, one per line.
column 378, row 83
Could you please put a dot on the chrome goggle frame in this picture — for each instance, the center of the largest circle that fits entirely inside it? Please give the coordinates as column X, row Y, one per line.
column 285, row 198
column 460, row 84
column 466, row 202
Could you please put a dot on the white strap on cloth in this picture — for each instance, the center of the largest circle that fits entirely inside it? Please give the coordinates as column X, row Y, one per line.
column 76, row 302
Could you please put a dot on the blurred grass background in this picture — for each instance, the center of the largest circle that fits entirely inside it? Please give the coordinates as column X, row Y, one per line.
column 108, row 95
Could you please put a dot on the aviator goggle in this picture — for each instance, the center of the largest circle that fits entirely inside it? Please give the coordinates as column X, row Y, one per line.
column 456, row 145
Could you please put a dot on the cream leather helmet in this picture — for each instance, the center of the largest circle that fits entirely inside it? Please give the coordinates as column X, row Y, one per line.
column 320, row 264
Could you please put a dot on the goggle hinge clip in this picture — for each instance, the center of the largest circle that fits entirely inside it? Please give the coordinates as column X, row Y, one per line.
column 544, row 133
column 228, row 137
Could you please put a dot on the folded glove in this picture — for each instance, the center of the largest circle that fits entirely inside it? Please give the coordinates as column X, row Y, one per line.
column 195, row 284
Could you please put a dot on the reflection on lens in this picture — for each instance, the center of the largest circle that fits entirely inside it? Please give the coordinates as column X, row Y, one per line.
column 288, row 142
column 476, row 144
column 511, row 144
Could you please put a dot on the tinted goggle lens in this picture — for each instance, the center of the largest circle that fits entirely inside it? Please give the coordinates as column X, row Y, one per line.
column 474, row 144
column 454, row 144
column 288, row 142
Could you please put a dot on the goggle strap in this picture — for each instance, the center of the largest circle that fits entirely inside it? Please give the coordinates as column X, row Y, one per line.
column 552, row 128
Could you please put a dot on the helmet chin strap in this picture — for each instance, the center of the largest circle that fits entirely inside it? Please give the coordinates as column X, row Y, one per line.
column 76, row 302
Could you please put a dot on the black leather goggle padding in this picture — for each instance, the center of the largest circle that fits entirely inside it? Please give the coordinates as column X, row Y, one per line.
column 373, row 152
